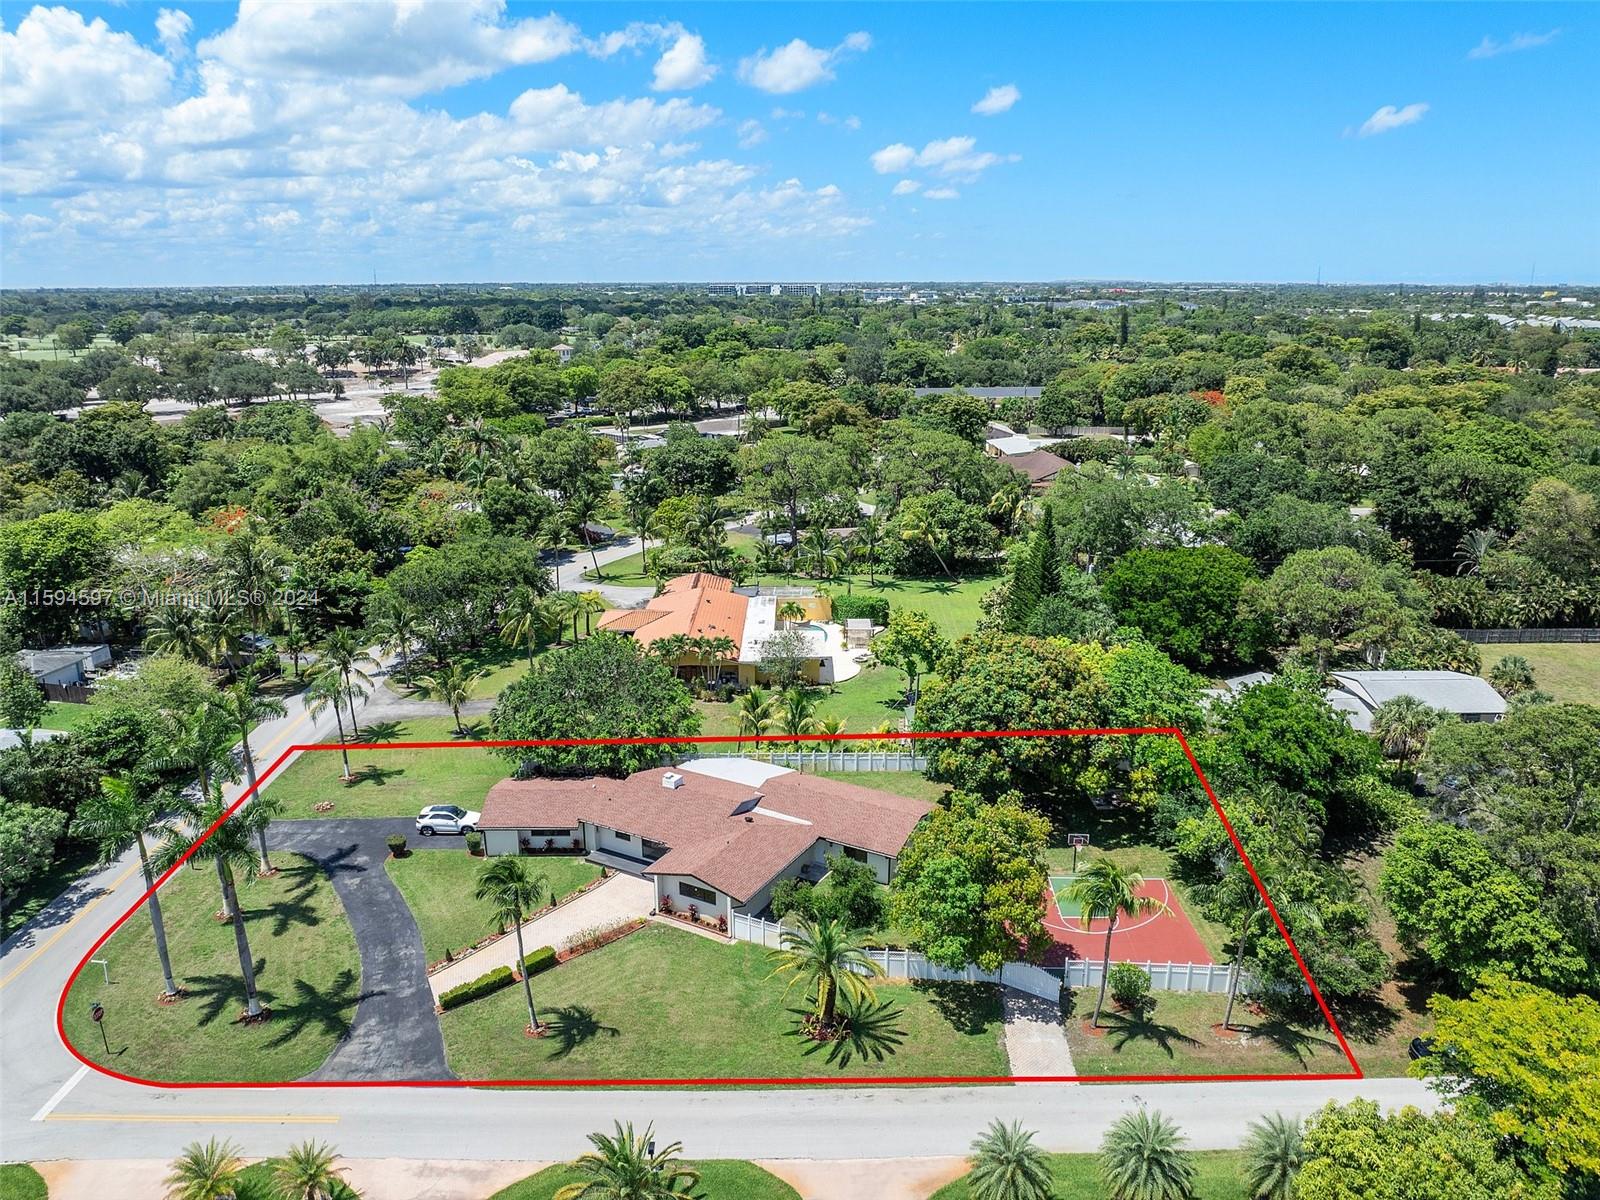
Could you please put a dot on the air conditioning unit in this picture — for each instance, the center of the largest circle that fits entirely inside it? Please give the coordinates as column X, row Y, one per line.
column 671, row 780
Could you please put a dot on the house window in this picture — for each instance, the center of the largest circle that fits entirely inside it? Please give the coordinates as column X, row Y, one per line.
column 693, row 892
column 539, row 833
column 859, row 855
column 620, row 836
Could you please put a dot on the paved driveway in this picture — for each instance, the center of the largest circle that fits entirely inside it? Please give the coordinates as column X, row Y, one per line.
column 395, row 1034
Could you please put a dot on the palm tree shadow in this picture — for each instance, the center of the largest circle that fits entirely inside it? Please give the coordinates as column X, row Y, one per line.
column 471, row 731
column 1290, row 1040
column 293, row 909
column 574, row 1025
column 381, row 731
column 1141, row 1026
column 330, row 1010
column 873, row 1032
column 221, row 994
column 374, row 774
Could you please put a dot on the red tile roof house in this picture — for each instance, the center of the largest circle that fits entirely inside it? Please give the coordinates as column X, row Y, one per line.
column 715, row 833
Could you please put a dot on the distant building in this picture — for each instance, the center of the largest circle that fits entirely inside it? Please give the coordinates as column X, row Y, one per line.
column 63, row 666
column 984, row 393
column 1358, row 694
column 1040, row 466
column 564, row 352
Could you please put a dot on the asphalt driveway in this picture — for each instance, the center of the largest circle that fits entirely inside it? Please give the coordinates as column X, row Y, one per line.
column 395, row 1034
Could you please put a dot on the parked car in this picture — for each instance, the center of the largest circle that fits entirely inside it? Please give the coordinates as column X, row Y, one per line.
column 446, row 818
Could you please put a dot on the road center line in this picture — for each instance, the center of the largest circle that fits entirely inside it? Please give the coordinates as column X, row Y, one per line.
column 62, row 932
column 61, row 1094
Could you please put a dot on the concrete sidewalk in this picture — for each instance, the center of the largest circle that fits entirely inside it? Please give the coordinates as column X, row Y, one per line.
column 620, row 898
column 377, row 1178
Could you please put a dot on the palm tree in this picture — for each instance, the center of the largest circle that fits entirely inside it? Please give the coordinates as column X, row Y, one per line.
column 754, row 711
column 1402, row 726
column 118, row 814
column 869, row 532
column 1006, row 1165
column 208, row 1172
column 1237, row 893
column 714, row 651
column 568, row 606
column 1512, row 676
column 222, row 633
column 395, row 632
column 230, row 850
column 830, row 727
column 627, row 1166
column 524, row 621
column 1104, row 889
column 826, row 954
column 582, row 509
column 177, row 629
column 244, row 704
column 453, row 686
column 789, row 612
column 342, row 651
column 591, row 603
column 323, row 692
column 1274, row 1152
column 307, row 1172
column 1141, row 1159
column 929, row 533
column 1473, row 548
column 798, row 709
column 513, row 893
column 295, row 641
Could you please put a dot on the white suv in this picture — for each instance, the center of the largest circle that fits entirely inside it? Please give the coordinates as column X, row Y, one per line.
column 446, row 818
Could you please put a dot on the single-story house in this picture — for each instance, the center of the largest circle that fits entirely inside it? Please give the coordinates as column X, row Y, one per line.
column 715, row 833
column 1357, row 694
column 64, row 665
column 1040, row 466
column 705, row 606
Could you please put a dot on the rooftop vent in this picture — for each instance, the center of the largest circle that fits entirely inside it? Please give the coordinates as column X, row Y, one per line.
column 671, row 780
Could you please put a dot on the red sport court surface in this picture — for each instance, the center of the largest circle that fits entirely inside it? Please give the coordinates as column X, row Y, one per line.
column 1157, row 937
column 1158, row 940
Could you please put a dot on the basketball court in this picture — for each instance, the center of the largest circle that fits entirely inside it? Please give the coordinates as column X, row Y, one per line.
column 1153, row 937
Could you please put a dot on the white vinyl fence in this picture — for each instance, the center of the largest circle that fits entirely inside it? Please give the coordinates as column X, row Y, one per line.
column 827, row 760
column 1025, row 977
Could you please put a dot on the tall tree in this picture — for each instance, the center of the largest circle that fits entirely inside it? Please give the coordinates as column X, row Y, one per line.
column 512, row 893
column 245, row 704
column 1105, row 890
column 826, row 957
column 124, row 812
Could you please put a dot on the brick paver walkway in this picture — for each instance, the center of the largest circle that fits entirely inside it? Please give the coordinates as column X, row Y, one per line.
column 1036, row 1042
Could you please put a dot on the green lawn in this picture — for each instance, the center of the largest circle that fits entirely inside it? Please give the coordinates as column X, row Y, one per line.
column 504, row 664
column 865, row 703
column 666, row 1003
column 1175, row 1038
column 391, row 783
column 720, row 1179
column 60, row 715
column 439, row 886
column 1568, row 671
column 901, row 783
column 308, row 972
column 19, row 1181
column 71, row 862
column 1077, row 1177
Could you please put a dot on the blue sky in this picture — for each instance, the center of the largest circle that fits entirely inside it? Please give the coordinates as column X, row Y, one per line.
column 455, row 140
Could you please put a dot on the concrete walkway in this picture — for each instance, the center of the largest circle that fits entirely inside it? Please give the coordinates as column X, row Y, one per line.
column 620, row 898
column 381, row 1178
column 395, row 1034
column 1036, row 1042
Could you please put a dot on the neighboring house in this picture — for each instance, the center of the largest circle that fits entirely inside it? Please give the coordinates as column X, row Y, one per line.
column 715, row 833
column 704, row 606
column 1012, row 443
column 1357, row 694
column 64, row 666
column 1040, row 466
column 564, row 352
column 992, row 394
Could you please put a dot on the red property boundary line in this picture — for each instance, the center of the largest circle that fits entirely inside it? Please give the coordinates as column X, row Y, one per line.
column 1355, row 1071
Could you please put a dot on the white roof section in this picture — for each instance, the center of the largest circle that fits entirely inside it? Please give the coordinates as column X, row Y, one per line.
column 734, row 770
column 1017, row 443
column 1451, row 691
column 1357, row 713
column 1237, row 683
column 761, row 622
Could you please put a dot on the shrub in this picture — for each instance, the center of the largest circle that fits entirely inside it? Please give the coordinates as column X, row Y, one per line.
column 397, row 844
column 473, row 989
column 873, row 608
column 792, row 895
column 474, row 842
column 1130, row 986
column 541, row 959
column 851, row 895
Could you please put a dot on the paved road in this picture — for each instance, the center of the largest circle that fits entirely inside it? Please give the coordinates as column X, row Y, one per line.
column 569, row 566
column 395, row 1034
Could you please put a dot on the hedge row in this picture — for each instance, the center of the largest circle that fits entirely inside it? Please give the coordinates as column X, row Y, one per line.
column 873, row 608
column 541, row 959
column 483, row 985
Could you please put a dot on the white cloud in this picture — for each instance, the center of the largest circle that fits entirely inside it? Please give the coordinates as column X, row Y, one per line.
column 906, row 187
column 751, row 133
column 997, row 100
column 407, row 47
column 788, row 114
column 852, row 122
column 797, row 65
column 173, row 27
column 1389, row 117
column 1490, row 48
column 58, row 71
column 894, row 159
column 941, row 193
column 957, row 157
column 557, row 116
column 683, row 65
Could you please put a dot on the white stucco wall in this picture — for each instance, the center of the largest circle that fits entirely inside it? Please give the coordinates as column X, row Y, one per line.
column 499, row 841
column 667, row 885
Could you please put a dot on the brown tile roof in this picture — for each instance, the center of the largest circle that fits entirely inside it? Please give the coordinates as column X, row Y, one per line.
column 1040, row 466
column 697, row 605
column 738, row 855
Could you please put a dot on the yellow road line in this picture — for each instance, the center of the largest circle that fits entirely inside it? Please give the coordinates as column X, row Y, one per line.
column 60, row 933
column 198, row 1118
